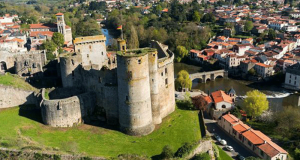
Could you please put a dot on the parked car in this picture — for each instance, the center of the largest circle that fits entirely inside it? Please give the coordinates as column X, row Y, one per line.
column 223, row 142
column 240, row 157
column 217, row 137
column 229, row 148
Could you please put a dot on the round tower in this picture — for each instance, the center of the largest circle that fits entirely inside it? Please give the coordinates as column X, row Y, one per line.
column 154, row 89
column 135, row 113
column 68, row 66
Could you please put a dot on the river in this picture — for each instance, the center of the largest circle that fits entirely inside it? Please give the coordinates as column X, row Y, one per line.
column 277, row 96
column 110, row 35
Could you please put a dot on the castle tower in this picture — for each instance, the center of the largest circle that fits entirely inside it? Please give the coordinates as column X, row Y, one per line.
column 61, row 26
column 135, row 112
column 68, row 68
column 154, row 87
column 121, row 45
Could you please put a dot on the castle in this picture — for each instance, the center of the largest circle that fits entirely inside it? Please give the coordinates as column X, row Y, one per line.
column 133, row 88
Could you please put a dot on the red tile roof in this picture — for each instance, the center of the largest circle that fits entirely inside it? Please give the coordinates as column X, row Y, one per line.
column 220, row 96
column 41, row 25
column 240, row 128
column 59, row 14
column 44, row 33
column 231, row 118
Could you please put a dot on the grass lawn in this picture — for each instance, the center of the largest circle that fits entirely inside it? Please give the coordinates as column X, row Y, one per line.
column 15, row 81
column 224, row 155
column 22, row 128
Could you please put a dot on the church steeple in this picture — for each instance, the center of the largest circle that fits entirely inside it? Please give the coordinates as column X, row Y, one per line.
column 61, row 25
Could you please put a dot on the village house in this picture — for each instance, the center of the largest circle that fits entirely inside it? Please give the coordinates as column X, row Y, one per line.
column 254, row 140
column 219, row 102
column 292, row 77
column 264, row 70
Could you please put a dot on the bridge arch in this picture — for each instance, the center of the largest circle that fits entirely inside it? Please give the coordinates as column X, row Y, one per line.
column 206, row 76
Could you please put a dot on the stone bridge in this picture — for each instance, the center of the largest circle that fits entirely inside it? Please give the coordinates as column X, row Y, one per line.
column 212, row 75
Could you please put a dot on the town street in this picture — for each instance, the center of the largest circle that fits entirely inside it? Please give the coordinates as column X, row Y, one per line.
column 212, row 127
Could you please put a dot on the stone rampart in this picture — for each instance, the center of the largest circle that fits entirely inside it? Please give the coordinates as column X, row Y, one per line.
column 68, row 111
column 11, row 97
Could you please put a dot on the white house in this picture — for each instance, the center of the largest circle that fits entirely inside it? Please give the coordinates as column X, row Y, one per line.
column 292, row 77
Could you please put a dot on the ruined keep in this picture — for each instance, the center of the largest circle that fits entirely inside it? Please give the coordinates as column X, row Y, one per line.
column 133, row 88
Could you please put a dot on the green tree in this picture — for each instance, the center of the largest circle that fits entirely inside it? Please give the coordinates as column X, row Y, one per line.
column 253, row 158
column 133, row 41
column 167, row 152
column 50, row 47
column 248, row 26
column 58, row 39
column 272, row 34
column 181, row 52
column 255, row 103
column 183, row 80
column 202, row 156
column 297, row 153
column 288, row 121
column 196, row 16
column 252, row 72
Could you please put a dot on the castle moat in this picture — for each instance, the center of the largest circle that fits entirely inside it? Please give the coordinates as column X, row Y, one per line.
column 278, row 97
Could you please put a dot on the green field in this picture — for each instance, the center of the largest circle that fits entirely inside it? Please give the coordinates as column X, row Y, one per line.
column 21, row 128
column 15, row 81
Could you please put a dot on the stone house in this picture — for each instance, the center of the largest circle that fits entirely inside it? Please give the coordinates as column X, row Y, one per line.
column 264, row 70
column 292, row 77
column 253, row 140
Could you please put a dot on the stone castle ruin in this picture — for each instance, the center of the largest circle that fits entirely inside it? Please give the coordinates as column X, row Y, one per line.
column 133, row 88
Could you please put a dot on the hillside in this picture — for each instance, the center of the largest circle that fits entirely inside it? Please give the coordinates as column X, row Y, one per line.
column 15, row 81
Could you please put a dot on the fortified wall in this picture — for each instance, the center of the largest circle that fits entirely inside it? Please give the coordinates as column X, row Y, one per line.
column 12, row 97
column 67, row 112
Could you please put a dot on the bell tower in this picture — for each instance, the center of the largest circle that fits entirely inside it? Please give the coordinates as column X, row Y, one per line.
column 61, row 26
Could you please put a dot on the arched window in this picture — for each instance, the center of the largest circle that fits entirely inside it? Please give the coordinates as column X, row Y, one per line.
column 223, row 106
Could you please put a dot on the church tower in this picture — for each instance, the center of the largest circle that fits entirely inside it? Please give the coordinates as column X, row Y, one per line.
column 61, row 26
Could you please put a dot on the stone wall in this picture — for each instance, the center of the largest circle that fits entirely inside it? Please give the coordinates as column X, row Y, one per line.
column 11, row 97
column 203, row 147
column 67, row 112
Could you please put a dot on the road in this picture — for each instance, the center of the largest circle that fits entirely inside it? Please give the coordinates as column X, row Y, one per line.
column 212, row 127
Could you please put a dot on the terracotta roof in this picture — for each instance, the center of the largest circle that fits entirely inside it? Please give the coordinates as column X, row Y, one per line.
column 195, row 51
column 220, row 96
column 208, row 99
column 41, row 25
column 263, row 65
column 241, row 127
column 255, row 137
column 231, row 118
column 44, row 33
column 59, row 14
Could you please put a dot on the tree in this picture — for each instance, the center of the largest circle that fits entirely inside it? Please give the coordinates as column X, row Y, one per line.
column 58, row 39
column 167, row 152
column 50, row 47
column 196, row 16
column 181, row 52
column 253, row 158
column 288, row 121
column 252, row 72
column 248, row 26
column 255, row 103
column 133, row 41
column 272, row 34
column 87, row 27
column 297, row 153
column 183, row 80
column 202, row 156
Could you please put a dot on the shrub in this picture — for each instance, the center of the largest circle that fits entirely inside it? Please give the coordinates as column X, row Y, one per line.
column 167, row 152
column 185, row 149
column 85, row 158
column 202, row 156
column 216, row 151
column 56, row 157
column 38, row 156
